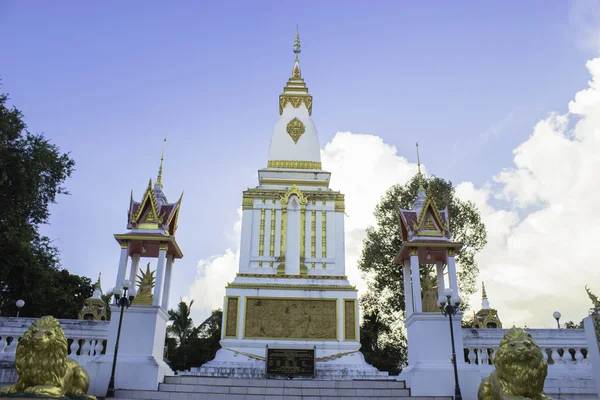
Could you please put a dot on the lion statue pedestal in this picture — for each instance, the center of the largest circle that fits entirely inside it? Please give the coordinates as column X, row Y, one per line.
column 521, row 370
column 43, row 365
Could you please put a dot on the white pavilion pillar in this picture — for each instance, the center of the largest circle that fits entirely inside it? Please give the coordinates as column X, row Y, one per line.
column 439, row 266
column 452, row 272
column 160, row 273
column 135, row 265
column 122, row 264
column 416, row 280
column 167, row 289
column 408, row 297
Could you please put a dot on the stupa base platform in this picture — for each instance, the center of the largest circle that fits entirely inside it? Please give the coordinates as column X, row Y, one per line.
column 233, row 364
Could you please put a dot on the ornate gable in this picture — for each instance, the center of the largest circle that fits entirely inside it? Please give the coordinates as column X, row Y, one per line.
column 430, row 218
column 147, row 211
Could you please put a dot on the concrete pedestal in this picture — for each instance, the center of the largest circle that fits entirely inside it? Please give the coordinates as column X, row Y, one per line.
column 140, row 364
column 430, row 371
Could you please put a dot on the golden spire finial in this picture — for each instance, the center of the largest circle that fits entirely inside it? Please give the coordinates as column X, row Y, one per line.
column 98, row 284
column 297, row 49
column 159, row 178
column 483, row 293
column 421, row 188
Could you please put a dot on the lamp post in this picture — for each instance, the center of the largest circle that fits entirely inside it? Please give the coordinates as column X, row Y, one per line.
column 123, row 298
column 556, row 316
column 450, row 307
column 20, row 303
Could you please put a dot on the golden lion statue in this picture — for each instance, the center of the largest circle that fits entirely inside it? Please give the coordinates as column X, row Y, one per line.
column 520, row 370
column 43, row 366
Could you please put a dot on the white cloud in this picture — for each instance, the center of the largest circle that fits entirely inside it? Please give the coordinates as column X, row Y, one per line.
column 539, row 254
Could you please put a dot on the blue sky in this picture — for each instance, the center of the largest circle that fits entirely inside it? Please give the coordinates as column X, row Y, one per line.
column 108, row 80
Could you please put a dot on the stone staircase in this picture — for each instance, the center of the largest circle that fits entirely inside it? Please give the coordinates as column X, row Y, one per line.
column 205, row 388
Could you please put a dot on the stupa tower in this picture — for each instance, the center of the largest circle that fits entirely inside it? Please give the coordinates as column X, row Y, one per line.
column 291, row 290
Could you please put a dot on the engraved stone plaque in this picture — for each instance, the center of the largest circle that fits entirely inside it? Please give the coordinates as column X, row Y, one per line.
column 291, row 363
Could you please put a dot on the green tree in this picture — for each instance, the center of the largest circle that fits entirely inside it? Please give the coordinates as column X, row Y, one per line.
column 385, row 283
column 182, row 326
column 573, row 325
column 32, row 172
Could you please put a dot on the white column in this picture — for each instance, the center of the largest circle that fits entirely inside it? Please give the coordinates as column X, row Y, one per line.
column 135, row 265
column 408, row 297
column 160, row 273
column 439, row 266
column 246, row 240
column 167, row 289
column 452, row 272
column 416, row 281
column 122, row 264
column 292, row 240
column 338, row 237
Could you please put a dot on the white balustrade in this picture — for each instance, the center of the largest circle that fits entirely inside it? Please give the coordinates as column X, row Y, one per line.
column 87, row 338
column 566, row 347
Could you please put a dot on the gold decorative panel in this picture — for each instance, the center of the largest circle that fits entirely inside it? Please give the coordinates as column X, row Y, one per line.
column 295, row 128
column 232, row 316
column 349, row 319
column 287, row 318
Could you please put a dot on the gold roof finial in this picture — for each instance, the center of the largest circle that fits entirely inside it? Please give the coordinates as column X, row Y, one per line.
column 421, row 188
column 297, row 50
column 483, row 293
column 159, row 178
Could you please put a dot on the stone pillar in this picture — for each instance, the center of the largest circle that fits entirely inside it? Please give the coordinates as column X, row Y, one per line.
column 408, row 297
column 452, row 272
column 160, row 273
column 135, row 265
column 416, row 280
column 122, row 264
column 167, row 289
column 439, row 267
column 591, row 326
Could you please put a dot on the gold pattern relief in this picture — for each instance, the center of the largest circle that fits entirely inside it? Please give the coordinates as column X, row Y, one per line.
column 295, row 101
column 295, row 128
column 283, row 237
column 313, row 236
column 232, row 317
column 272, row 235
column 324, row 236
column 413, row 251
column 349, row 319
column 429, row 225
column 124, row 244
column 247, row 203
column 306, row 319
column 292, row 164
column 261, row 236
column 451, row 252
column 163, row 246
column 339, row 205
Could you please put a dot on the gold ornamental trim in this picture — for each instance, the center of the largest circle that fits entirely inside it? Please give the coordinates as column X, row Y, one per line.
column 293, row 164
column 231, row 316
column 247, row 203
column 275, row 194
column 296, row 100
column 413, row 251
column 290, row 287
column 283, row 276
column 295, row 128
column 290, row 182
column 339, row 205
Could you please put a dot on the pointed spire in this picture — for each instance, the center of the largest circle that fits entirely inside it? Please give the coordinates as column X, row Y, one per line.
column 485, row 304
column 421, row 188
column 98, row 284
column 297, row 49
column 159, row 178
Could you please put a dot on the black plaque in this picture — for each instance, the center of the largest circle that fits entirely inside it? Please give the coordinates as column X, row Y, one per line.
column 291, row 363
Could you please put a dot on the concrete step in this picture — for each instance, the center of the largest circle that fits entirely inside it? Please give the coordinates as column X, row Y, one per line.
column 212, row 388
column 286, row 383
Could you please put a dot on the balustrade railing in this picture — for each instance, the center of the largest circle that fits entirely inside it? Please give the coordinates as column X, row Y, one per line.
column 86, row 339
column 561, row 347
